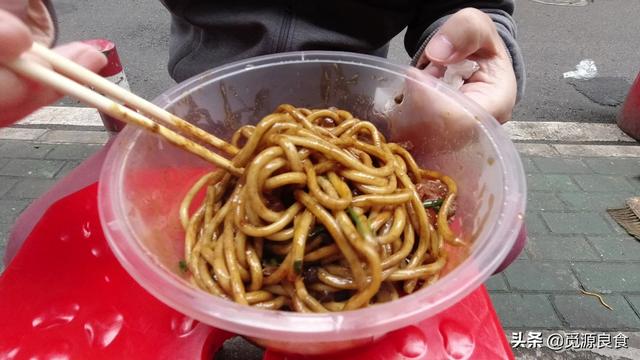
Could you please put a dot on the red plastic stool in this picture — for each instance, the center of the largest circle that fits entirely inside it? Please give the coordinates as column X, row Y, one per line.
column 629, row 116
column 65, row 296
column 113, row 72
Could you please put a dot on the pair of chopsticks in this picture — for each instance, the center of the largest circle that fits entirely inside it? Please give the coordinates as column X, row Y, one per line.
column 72, row 79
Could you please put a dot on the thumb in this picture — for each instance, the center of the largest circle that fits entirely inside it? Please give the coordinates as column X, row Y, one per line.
column 14, row 37
column 467, row 32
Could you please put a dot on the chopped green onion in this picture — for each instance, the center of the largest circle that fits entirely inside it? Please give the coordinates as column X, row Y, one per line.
column 433, row 203
column 183, row 266
column 363, row 227
column 319, row 229
column 297, row 267
column 270, row 261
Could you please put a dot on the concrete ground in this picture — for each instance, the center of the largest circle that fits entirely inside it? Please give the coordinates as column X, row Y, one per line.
column 553, row 40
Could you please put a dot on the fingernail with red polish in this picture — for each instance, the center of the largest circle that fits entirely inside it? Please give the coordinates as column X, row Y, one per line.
column 439, row 48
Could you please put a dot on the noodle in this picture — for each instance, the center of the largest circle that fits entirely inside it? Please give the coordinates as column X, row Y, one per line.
column 326, row 216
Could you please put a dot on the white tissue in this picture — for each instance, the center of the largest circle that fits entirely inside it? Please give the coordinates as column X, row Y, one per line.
column 585, row 70
column 456, row 74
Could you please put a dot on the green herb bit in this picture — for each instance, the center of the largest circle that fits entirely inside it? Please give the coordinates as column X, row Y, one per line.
column 183, row 266
column 433, row 203
column 317, row 230
column 270, row 261
column 297, row 267
column 362, row 226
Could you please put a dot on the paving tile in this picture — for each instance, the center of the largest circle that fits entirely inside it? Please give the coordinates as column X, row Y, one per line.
column 556, row 165
column 597, row 151
column 603, row 183
column 621, row 248
column 566, row 131
column 535, row 225
column 539, row 276
column 528, row 165
column 73, row 137
column 553, row 247
column 528, row 149
column 545, row 182
column 496, row 282
column 10, row 209
column 6, row 183
column 67, row 168
column 73, row 151
column 615, row 166
column 4, row 233
column 32, row 168
column 576, row 223
column 24, row 149
column 537, row 201
column 590, row 201
column 586, row 312
column 635, row 302
column 523, row 255
column 634, row 181
column 606, row 277
column 29, row 188
column 63, row 116
column 525, row 310
column 20, row 133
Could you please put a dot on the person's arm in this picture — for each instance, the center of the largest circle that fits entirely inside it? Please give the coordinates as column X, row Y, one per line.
column 446, row 32
column 21, row 23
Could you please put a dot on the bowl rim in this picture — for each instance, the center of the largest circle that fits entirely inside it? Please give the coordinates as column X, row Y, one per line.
column 340, row 326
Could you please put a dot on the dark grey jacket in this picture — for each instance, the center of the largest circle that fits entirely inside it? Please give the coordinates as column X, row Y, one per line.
column 208, row 33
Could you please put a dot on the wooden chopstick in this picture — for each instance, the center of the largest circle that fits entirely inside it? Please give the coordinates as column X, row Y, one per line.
column 82, row 75
column 64, row 85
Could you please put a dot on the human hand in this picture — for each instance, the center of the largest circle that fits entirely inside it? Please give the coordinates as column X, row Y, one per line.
column 19, row 96
column 471, row 34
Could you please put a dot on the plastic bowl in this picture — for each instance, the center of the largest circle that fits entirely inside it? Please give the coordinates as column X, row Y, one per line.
column 144, row 179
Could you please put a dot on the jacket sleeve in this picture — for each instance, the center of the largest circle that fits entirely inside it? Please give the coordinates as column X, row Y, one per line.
column 433, row 14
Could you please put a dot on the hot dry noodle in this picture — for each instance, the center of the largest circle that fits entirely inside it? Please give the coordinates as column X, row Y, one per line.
column 326, row 216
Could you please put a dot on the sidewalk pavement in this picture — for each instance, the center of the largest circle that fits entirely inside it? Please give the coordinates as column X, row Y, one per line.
column 575, row 171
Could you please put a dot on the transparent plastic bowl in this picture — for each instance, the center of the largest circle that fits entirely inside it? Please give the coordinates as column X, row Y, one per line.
column 144, row 179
